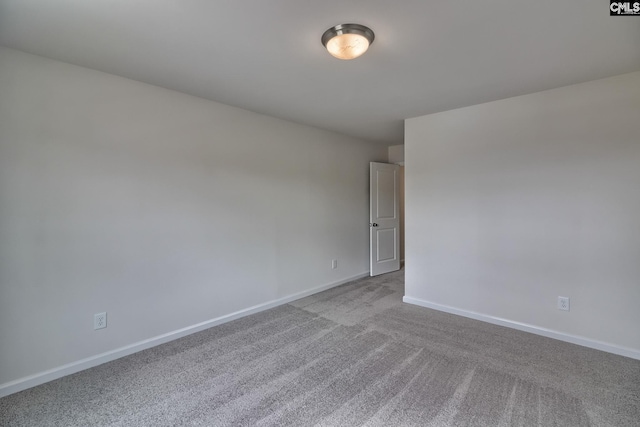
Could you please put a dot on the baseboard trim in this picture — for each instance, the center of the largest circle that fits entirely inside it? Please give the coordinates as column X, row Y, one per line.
column 80, row 365
column 549, row 333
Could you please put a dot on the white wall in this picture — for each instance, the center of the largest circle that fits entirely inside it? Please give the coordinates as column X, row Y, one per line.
column 163, row 209
column 513, row 203
column 396, row 154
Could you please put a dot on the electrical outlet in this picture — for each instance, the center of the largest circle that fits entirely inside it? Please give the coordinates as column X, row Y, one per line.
column 563, row 303
column 100, row 320
column 334, row 264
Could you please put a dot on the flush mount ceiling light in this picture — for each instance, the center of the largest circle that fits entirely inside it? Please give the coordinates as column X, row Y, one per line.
column 347, row 41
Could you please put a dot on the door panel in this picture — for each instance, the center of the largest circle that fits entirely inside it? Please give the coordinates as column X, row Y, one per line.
column 384, row 220
column 385, row 206
column 386, row 247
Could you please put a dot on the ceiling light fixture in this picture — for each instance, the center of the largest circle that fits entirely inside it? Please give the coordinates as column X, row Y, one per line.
column 347, row 41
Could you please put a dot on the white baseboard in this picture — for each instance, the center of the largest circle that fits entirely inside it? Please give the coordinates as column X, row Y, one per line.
column 574, row 339
column 80, row 365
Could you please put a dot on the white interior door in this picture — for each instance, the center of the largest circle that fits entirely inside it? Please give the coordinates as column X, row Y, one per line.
column 384, row 218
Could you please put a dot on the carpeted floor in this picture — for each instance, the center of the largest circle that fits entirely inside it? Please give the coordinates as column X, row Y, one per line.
column 353, row 355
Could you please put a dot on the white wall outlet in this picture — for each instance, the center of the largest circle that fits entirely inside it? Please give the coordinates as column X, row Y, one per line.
column 334, row 264
column 100, row 320
column 563, row 303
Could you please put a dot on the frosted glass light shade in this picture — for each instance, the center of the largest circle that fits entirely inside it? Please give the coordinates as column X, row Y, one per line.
column 347, row 46
column 347, row 41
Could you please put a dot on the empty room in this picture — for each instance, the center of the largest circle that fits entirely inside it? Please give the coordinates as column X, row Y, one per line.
column 360, row 213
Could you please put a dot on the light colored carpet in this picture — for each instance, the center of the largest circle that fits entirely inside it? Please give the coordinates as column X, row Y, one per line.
column 353, row 355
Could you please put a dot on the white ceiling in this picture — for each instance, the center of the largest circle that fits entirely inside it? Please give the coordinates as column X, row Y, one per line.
column 266, row 55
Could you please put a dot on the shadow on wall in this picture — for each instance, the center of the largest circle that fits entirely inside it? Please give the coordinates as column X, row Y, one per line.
column 396, row 156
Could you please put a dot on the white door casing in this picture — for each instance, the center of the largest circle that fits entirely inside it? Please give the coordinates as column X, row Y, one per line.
column 384, row 218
